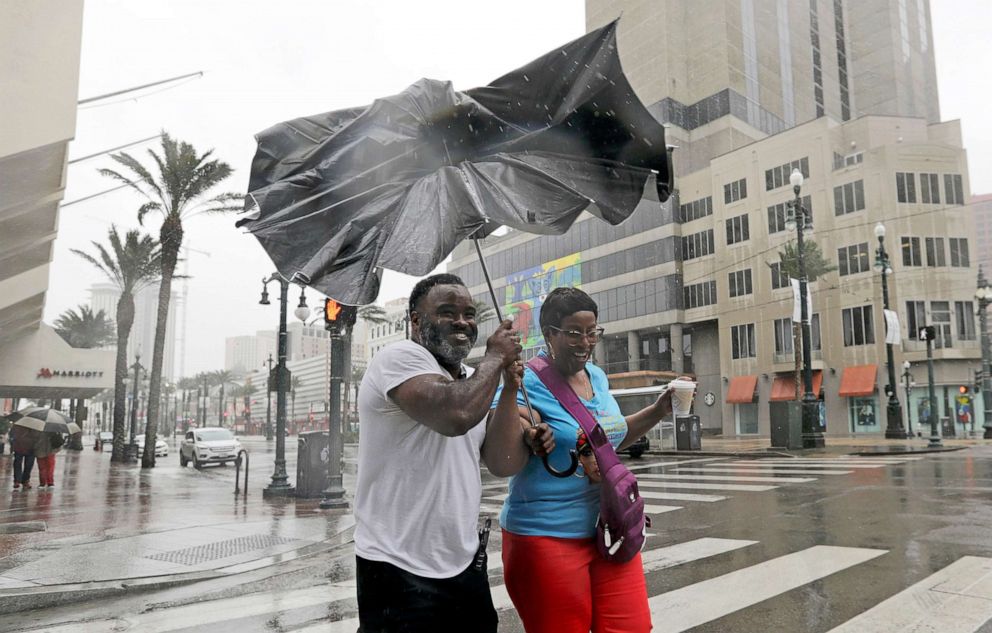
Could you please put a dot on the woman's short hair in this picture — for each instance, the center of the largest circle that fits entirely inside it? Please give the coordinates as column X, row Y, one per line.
column 563, row 302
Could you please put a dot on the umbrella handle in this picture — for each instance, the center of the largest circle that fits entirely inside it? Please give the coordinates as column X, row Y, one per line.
column 568, row 472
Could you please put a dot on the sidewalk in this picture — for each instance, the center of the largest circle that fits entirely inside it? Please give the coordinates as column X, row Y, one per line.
column 108, row 530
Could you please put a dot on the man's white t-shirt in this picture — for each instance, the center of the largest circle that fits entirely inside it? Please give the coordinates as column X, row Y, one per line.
column 418, row 492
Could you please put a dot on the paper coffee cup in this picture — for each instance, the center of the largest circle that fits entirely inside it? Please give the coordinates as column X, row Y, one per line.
column 682, row 393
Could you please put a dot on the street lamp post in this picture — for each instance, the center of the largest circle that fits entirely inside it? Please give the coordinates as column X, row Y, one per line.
column 131, row 454
column 279, row 486
column 984, row 296
column 907, row 381
column 334, row 494
column 893, row 426
column 935, row 441
column 268, row 400
column 800, row 216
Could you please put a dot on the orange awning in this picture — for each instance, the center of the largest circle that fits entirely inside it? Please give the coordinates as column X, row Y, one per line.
column 784, row 387
column 858, row 380
column 741, row 390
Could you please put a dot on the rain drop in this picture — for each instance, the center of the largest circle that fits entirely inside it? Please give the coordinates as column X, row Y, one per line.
column 526, row 78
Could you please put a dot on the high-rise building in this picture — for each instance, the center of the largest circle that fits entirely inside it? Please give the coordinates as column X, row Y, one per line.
column 982, row 207
column 845, row 92
column 104, row 296
column 394, row 327
column 249, row 352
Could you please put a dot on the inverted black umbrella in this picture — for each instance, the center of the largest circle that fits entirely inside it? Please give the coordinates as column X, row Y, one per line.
column 338, row 196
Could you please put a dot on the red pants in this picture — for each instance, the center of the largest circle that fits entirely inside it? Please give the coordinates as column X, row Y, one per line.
column 561, row 585
column 46, row 470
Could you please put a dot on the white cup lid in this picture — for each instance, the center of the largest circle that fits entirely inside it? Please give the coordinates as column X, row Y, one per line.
column 682, row 384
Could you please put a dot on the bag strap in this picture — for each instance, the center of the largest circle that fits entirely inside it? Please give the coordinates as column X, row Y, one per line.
column 606, row 457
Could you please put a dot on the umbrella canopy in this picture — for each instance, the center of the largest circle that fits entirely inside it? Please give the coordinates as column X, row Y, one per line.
column 398, row 184
column 44, row 420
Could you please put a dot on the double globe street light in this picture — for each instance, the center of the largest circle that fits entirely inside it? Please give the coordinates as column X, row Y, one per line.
column 893, row 426
column 984, row 296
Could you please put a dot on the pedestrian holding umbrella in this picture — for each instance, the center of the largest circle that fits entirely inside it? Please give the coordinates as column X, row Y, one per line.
column 45, row 420
column 336, row 197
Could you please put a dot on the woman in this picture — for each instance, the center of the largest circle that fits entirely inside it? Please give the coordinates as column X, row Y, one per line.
column 45, row 447
column 554, row 575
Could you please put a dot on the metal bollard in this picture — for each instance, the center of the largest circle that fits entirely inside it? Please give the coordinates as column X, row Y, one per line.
column 237, row 472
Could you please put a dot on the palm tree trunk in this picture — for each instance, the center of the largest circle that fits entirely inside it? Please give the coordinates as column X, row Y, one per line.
column 125, row 319
column 171, row 239
column 220, row 407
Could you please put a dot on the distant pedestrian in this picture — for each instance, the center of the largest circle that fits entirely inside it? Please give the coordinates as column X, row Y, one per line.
column 45, row 447
column 22, row 443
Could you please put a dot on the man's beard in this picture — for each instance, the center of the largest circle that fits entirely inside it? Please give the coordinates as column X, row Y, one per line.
column 435, row 339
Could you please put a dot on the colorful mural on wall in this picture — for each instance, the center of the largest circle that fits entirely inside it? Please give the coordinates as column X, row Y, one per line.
column 526, row 289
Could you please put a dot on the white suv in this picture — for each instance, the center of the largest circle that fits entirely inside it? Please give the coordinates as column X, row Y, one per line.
column 209, row 445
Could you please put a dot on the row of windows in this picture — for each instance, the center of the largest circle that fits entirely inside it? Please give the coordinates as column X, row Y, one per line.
column 912, row 256
column 697, row 245
column 696, row 209
column 699, row 295
column 845, row 99
column 940, row 318
column 784, row 335
column 778, row 212
column 734, row 191
column 929, row 188
column 814, row 38
column 779, row 176
column 849, row 198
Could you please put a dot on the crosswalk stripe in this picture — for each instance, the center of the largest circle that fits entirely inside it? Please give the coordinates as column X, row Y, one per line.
column 706, row 486
column 956, row 599
column 501, row 497
column 760, row 463
column 764, row 471
column 727, row 477
column 674, row 462
column 846, row 458
column 653, row 509
column 708, row 600
column 678, row 496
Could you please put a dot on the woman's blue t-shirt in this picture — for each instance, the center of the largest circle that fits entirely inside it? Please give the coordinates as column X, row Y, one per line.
column 540, row 504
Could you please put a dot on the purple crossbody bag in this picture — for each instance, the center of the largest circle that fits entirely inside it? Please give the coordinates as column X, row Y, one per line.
column 621, row 525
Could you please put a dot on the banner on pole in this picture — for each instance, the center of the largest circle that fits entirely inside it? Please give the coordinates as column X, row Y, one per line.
column 796, row 309
column 893, row 334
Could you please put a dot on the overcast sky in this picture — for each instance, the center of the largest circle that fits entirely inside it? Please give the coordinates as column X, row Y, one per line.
column 265, row 62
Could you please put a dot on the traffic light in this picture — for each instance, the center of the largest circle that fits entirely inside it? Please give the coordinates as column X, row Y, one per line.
column 338, row 317
column 963, row 390
column 978, row 380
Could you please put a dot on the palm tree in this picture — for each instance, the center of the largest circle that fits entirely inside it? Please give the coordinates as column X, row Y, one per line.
column 179, row 191
column 374, row 315
column 82, row 328
column 131, row 265
column 187, row 385
column 816, row 266
column 221, row 378
column 294, row 385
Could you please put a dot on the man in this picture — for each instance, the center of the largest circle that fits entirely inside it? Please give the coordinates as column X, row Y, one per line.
column 417, row 498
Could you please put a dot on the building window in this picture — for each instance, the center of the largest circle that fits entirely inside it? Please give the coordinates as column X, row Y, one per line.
column 940, row 312
column 696, row 209
column 864, row 415
column 740, row 282
column 852, row 260
column 814, row 332
column 929, row 189
column 911, row 255
column 916, row 317
column 779, row 176
column 845, row 99
column 935, row 252
column 738, row 229
column 953, row 189
column 697, row 245
column 698, row 295
column 783, row 336
column 964, row 313
column 849, row 198
column 905, row 187
column 859, row 328
column 814, row 39
column 734, row 191
column 959, row 252
column 779, row 279
column 841, row 161
column 747, row 418
column 777, row 214
column 742, row 341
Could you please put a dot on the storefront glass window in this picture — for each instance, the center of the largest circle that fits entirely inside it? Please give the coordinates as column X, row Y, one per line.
column 864, row 415
column 747, row 418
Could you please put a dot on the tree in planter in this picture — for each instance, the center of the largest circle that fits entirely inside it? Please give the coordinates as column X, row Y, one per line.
column 179, row 191
column 82, row 328
column 131, row 265
column 816, row 266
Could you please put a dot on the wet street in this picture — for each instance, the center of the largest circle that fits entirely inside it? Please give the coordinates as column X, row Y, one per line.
column 816, row 543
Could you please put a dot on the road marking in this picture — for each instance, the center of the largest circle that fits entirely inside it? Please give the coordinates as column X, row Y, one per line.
column 727, row 477
column 706, row 486
column 765, row 471
column 673, row 463
column 708, row 600
column 791, row 463
column 678, row 496
column 652, row 509
column 501, row 497
column 956, row 599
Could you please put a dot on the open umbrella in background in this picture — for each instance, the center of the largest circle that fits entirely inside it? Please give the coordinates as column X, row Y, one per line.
column 336, row 197
column 44, row 420
column 398, row 184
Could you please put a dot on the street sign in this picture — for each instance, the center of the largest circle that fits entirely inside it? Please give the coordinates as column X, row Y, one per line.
column 927, row 333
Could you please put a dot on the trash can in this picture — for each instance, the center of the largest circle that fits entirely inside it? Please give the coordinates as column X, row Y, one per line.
column 311, row 465
column 946, row 427
column 786, row 424
column 687, row 433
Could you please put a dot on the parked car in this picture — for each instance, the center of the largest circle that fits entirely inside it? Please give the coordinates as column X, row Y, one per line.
column 104, row 440
column 638, row 448
column 209, row 445
column 161, row 448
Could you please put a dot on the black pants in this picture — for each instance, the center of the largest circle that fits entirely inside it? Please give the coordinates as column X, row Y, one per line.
column 391, row 600
column 22, row 467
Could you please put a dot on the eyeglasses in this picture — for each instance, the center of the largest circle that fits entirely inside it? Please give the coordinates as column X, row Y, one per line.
column 574, row 337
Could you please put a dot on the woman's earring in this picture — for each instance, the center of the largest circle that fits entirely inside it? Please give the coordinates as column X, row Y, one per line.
column 551, row 352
